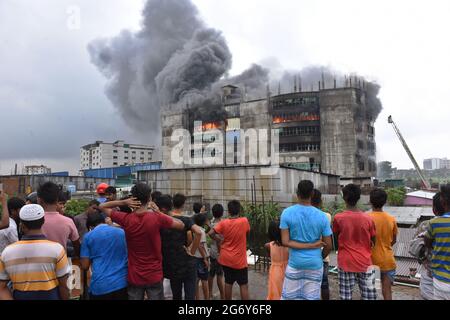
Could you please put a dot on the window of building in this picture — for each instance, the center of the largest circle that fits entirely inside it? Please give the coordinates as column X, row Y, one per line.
column 361, row 165
column 296, row 117
column 299, row 147
column 115, row 151
column 126, row 158
column 115, row 158
column 115, row 164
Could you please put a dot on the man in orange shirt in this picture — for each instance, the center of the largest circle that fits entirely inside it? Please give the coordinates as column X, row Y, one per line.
column 386, row 236
column 233, row 250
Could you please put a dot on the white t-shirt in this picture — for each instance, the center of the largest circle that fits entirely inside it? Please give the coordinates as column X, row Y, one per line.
column 9, row 235
column 202, row 244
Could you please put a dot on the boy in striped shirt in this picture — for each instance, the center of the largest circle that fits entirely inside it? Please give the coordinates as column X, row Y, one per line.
column 37, row 268
column 438, row 239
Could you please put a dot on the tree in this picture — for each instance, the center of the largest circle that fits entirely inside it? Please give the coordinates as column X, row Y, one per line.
column 396, row 196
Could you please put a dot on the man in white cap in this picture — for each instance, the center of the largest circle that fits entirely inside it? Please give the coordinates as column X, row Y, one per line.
column 37, row 268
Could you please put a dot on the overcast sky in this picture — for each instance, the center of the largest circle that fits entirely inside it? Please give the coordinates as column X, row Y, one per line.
column 52, row 98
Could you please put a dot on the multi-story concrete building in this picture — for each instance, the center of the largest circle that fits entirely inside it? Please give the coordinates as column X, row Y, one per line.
column 107, row 155
column 436, row 163
column 327, row 130
column 36, row 170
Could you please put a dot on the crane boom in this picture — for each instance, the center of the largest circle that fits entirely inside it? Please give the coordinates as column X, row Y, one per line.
column 426, row 184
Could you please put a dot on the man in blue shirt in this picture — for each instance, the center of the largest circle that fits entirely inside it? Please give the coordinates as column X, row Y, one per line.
column 300, row 225
column 105, row 248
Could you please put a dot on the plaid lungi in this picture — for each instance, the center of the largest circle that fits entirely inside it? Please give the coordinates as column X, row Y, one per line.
column 366, row 283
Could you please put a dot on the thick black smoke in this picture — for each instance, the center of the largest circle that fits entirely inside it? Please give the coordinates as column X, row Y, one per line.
column 176, row 59
column 173, row 54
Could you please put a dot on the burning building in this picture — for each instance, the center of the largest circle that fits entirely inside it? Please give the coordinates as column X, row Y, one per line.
column 329, row 130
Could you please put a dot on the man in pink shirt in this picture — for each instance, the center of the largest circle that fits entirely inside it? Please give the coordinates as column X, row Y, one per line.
column 355, row 231
column 57, row 227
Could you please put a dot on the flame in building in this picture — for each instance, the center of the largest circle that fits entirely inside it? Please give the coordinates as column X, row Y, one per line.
column 296, row 117
column 208, row 126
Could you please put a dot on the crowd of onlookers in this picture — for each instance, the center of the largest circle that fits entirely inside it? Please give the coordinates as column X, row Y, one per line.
column 129, row 246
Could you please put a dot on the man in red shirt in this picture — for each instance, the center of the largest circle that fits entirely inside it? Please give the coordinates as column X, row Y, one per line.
column 142, row 230
column 233, row 249
column 355, row 231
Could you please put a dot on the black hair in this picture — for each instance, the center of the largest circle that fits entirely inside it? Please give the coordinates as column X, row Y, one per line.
column 305, row 189
column 316, row 198
column 142, row 192
column 33, row 225
column 438, row 209
column 48, row 193
column 111, row 190
column 164, row 202
column 94, row 219
column 234, row 208
column 197, row 207
column 352, row 194
column 93, row 203
column 274, row 232
column 200, row 219
column 179, row 200
column 125, row 209
column 63, row 196
column 156, row 195
column 378, row 198
column 217, row 211
column 15, row 204
column 445, row 196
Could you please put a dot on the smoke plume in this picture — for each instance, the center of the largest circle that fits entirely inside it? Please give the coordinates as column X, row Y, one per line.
column 176, row 59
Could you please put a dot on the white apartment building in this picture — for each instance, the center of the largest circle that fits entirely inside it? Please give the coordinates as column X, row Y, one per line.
column 36, row 170
column 436, row 163
column 108, row 155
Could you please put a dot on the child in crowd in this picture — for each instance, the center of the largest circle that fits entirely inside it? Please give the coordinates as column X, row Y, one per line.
column 316, row 201
column 215, row 269
column 279, row 257
column 202, row 257
column 356, row 232
column 233, row 251
column 386, row 236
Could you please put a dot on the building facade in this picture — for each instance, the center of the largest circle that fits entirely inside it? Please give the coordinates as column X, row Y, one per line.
column 328, row 130
column 107, row 155
column 36, row 170
column 436, row 163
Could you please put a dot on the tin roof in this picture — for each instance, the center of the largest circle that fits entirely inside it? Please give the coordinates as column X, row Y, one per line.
column 421, row 194
column 409, row 215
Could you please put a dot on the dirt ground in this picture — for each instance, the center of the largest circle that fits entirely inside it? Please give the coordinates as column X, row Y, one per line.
column 258, row 288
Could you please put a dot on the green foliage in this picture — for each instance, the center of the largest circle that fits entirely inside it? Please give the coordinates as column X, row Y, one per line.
column 396, row 196
column 259, row 217
column 76, row 207
column 334, row 207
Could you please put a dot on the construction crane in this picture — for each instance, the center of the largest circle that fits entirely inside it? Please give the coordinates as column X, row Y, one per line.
column 425, row 183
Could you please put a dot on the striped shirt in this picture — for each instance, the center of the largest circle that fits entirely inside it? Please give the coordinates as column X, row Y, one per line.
column 439, row 232
column 34, row 265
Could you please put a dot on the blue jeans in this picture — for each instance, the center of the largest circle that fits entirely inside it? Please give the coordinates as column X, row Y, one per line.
column 189, row 283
